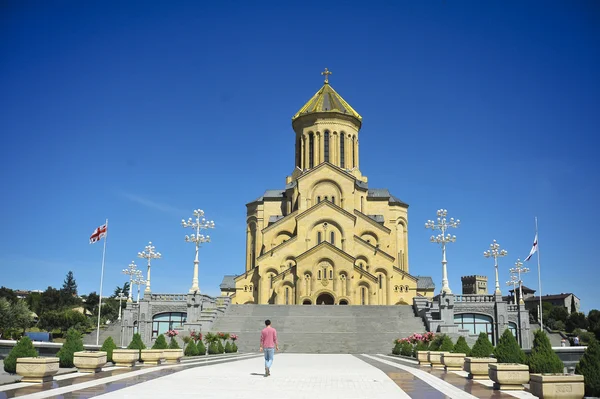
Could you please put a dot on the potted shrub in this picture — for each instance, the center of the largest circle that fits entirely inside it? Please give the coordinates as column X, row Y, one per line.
column 173, row 352
column 23, row 348
column 455, row 360
column 547, row 379
column 589, row 368
column 228, row 348
column 136, row 343
column 477, row 364
column 89, row 361
column 73, row 344
column 108, row 346
column 154, row 355
column 421, row 352
column 233, row 345
column 511, row 371
column 37, row 369
column 435, row 352
column 191, row 349
column 128, row 357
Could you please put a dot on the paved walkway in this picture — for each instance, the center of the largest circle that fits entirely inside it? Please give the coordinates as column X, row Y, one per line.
column 293, row 376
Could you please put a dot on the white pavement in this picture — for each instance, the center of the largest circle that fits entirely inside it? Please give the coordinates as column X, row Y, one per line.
column 293, row 376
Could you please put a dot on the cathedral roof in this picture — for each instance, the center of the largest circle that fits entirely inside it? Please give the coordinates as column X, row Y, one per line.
column 425, row 283
column 228, row 282
column 327, row 100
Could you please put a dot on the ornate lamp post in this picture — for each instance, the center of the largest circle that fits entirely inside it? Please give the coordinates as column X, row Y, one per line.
column 442, row 224
column 138, row 280
column 131, row 271
column 148, row 253
column 518, row 270
column 495, row 252
column 513, row 281
column 198, row 239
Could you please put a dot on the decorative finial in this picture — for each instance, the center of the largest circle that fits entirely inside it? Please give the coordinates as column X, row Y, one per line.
column 326, row 73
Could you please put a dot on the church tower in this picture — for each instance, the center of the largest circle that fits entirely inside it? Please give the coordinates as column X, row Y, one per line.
column 326, row 238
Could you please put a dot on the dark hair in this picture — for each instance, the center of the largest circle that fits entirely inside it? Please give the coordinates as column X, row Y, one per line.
column 267, row 322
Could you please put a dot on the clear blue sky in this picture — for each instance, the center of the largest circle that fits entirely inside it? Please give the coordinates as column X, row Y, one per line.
column 140, row 112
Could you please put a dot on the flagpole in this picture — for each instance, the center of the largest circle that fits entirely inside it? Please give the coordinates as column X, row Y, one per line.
column 539, row 274
column 101, row 280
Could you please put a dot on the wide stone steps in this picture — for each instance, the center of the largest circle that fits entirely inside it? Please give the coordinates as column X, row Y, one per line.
column 321, row 329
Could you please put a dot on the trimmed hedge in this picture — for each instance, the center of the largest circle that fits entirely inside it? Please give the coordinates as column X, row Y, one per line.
column 23, row 348
column 220, row 347
column 462, row 346
column 73, row 344
column 213, row 349
column 446, row 345
column 173, row 344
column 397, row 349
column 406, row 349
column 542, row 358
column 235, row 348
column 191, row 349
column 228, row 348
column 137, row 343
column 508, row 349
column 201, row 348
column 483, row 347
column 589, row 367
column 108, row 346
column 160, row 343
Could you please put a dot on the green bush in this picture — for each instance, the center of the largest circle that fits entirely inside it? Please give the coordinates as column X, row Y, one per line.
column 508, row 349
column 483, row 347
column 213, row 349
column 542, row 358
column 173, row 344
column 220, row 347
column 23, row 348
column 73, row 344
column 228, row 348
column 406, row 349
column 160, row 343
column 137, row 343
column 397, row 349
column 588, row 366
column 235, row 348
column 462, row 346
column 576, row 320
column 201, row 348
column 108, row 346
column 191, row 349
column 446, row 345
column 434, row 346
column 420, row 346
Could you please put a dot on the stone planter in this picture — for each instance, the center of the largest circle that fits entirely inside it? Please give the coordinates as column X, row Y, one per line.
column 453, row 361
column 423, row 358
column 435, row 358
column 89, row 362
column 509, row 376
column 125, row 357
column 37, row 369
column 551, row 386
column 477, row 367
column 152, row 356
column 173, row 355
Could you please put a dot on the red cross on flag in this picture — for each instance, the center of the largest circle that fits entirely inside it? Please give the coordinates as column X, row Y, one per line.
column 98, row 234
column 533, row 249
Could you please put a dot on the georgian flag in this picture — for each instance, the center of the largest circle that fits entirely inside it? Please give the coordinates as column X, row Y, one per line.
column 98, row 234
column 533, row 249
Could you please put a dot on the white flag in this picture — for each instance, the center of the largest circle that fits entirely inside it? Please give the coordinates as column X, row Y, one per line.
column 533, row 249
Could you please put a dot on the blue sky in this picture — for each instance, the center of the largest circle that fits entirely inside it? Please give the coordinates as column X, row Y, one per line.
column 140, row 112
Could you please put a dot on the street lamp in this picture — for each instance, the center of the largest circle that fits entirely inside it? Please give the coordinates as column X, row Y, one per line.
column 495, row 252
column 148, row 253
column 514, row 280
column 442, row 224
column 198, row 239
column 120, row 297
column 519, row 269
column 139, row 280
column 130, row 271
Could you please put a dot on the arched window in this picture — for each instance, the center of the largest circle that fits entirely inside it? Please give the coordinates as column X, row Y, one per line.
column 245, row 288
column 287, row 295
column 271, row 281
column 513, row 329
column 251, row 287
column 332, row 238
column 332, row 199
column 342, row 155
column 318, row 237
column 318, row 199
column 318, row 275
column 163, row 322
column 363, row 296
column 311, row 150
column 475, row 323
column 326, row 145
column 380, row 278
column 330, row 274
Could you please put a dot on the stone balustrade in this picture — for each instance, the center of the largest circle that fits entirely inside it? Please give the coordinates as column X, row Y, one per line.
column 473, row 298
column 169, row 297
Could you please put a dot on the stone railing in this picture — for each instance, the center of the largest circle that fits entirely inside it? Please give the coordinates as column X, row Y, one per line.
column 512, row 308
column 169, row 297
column 473, row 298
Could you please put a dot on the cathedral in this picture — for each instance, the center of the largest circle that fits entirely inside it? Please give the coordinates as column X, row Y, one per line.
column 326, row 238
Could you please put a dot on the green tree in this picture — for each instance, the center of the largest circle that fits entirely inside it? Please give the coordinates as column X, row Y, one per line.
column 589, row 367
column 228, row 348
column 50, row 300
column 69, row 285
column 559, row 313
column 9, row 294
column 5, row 322
column 446, row 345
column 137, row 343
column 191, row 349
column 173, row 344
column 483, row 347
column 160, row 343
column 72, row 344
column 34, row 301
column 576, row 320
column 20, row 316
column 462, row 346
column 593, row 320
column 508, row 349
column 23, row 348
column 108, row 346
column 542, row 358
column 91, row 303
column 201, row 348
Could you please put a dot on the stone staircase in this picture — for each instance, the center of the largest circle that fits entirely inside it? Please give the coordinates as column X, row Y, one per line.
column 321, row 329
column 112, row 330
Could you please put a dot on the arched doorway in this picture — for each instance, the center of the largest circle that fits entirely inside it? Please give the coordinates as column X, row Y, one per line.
column 325, row 299
column 343, row 302
column 307, row 302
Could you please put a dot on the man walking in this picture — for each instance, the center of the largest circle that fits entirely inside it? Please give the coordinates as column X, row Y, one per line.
column 268, row 342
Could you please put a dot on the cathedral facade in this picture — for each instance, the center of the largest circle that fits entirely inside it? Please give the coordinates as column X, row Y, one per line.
column 327, row 237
